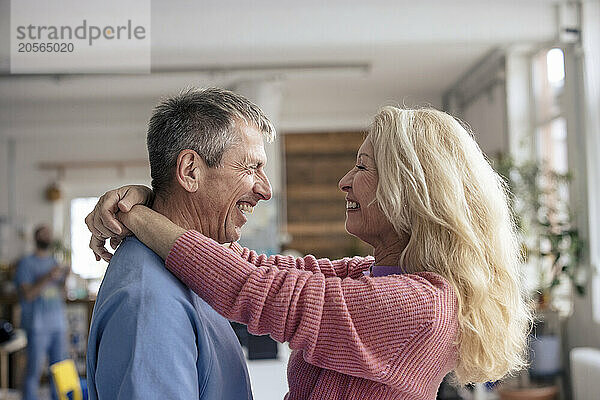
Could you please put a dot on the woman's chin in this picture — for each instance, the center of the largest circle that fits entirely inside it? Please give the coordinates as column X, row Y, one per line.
column 352, row 230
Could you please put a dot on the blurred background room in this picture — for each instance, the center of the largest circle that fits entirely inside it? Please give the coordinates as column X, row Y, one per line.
column 523, row 74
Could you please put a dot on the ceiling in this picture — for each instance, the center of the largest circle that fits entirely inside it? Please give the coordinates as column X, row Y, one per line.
column 336, row 61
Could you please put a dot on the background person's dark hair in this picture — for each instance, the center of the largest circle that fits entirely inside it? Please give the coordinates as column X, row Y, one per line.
column 38, row 229
column 42, row 241
column 200, row 120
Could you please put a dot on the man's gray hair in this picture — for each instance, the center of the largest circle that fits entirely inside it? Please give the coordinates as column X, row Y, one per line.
column 206, row 121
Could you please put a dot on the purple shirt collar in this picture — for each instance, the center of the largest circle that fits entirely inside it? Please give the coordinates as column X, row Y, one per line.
column 384, row 270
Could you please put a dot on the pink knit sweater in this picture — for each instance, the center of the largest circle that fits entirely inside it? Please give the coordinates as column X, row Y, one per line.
column 352, row 336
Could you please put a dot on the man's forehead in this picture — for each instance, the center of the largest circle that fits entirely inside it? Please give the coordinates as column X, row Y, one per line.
column 249, row 132
column 251, row 139
column 250, row 151
column 255, row 153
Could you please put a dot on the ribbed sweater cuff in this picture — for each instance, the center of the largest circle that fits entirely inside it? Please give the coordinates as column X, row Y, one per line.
column 183, row 247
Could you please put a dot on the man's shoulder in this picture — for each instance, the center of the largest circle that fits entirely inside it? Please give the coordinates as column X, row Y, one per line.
column 136, row 271
column 32, row 259
column 28, row 257
column 26, row 260
column 27, row 268
column 138, row 291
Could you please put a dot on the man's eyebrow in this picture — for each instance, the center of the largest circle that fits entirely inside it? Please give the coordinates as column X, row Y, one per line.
column 365, row 154
column 252, row 160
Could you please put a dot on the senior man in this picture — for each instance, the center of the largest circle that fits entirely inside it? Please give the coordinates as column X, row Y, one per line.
column 151, row 337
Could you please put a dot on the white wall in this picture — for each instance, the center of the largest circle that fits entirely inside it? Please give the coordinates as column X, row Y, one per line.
column 479, row 98
column 31, row 181
column 4, row 176
column 584, row 325
column 520, row 111
column 486, row 117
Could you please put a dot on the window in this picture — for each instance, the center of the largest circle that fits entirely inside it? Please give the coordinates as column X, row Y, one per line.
column 551, row 152
column 551, row 127
column 83, row 261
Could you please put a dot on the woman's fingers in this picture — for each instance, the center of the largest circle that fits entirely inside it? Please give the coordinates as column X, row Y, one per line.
column 100, row 225
column 103, row 222
column 97, row 246
column 132, row 195
column 115, row 242
column 107, row 208
column 89, row 221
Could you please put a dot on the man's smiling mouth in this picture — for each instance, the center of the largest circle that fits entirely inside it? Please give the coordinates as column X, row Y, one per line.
column 245, row 208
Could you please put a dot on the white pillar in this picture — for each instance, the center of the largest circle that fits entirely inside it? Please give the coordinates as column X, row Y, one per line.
column 4, row 196
column 263, row 230
column 519, row 107
column 591, row 68
column 4, row 171
column 584, row 325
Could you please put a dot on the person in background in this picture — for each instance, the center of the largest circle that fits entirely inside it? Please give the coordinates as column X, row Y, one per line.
column 40, row 281
column 443, row 292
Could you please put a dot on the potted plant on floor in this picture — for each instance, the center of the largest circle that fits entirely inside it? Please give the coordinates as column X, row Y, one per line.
column 551, row 251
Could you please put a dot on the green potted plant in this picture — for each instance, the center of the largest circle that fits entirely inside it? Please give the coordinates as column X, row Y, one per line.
column 550, row 242
column 551, row 251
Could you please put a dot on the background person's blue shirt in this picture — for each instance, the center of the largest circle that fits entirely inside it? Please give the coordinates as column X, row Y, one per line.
column 46, row 313
column 152, row 338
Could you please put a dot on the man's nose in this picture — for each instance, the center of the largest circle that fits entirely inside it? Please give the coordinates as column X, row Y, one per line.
column 262, row 187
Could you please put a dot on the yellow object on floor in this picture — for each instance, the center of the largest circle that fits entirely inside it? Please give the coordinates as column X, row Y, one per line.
column 66, row 380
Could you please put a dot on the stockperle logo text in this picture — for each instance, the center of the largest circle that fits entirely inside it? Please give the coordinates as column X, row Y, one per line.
column 85, row 31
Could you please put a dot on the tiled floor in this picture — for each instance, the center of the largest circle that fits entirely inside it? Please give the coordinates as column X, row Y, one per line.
column 15, row 395
column 268, row 379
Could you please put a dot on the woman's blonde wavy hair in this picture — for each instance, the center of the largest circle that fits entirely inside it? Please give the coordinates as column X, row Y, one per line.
column 440, row 191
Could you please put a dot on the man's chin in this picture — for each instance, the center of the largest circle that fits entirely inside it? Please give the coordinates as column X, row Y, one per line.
column 234, row 234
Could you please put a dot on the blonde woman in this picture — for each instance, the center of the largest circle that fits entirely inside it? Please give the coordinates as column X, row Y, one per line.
column 442, row 292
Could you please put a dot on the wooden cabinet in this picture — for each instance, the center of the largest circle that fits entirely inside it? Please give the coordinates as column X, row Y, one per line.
column 315, row 162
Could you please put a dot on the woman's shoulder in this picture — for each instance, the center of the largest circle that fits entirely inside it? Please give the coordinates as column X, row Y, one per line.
column 425, row 293
column 436, row 281
column 446, row 302
column 434, row 292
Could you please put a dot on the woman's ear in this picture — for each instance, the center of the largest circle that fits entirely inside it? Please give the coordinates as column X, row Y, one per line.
column 190, row 170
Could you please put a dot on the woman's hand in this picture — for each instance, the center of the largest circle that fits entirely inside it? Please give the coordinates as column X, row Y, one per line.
column 153, row 229
column 103, row 222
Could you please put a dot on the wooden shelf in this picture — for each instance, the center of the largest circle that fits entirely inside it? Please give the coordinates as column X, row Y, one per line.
column 316, row 215
column 316, row 228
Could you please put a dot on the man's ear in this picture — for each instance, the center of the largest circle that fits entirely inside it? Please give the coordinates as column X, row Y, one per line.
column 190, row 170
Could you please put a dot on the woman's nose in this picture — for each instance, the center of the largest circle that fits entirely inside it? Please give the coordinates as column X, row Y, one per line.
column 345, row 184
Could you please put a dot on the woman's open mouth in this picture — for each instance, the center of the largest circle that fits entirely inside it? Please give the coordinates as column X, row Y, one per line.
column 352, row 205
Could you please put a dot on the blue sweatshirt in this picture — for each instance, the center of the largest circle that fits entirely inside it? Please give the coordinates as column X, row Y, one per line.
column 46, row 313
column 152, row 338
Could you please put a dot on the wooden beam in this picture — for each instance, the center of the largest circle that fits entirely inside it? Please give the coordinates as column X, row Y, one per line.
column 326, row 192
column 318, row 143
column 316, row 228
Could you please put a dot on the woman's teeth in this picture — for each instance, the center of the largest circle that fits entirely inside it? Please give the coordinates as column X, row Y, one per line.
column 245, row 208
column 352, row 205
